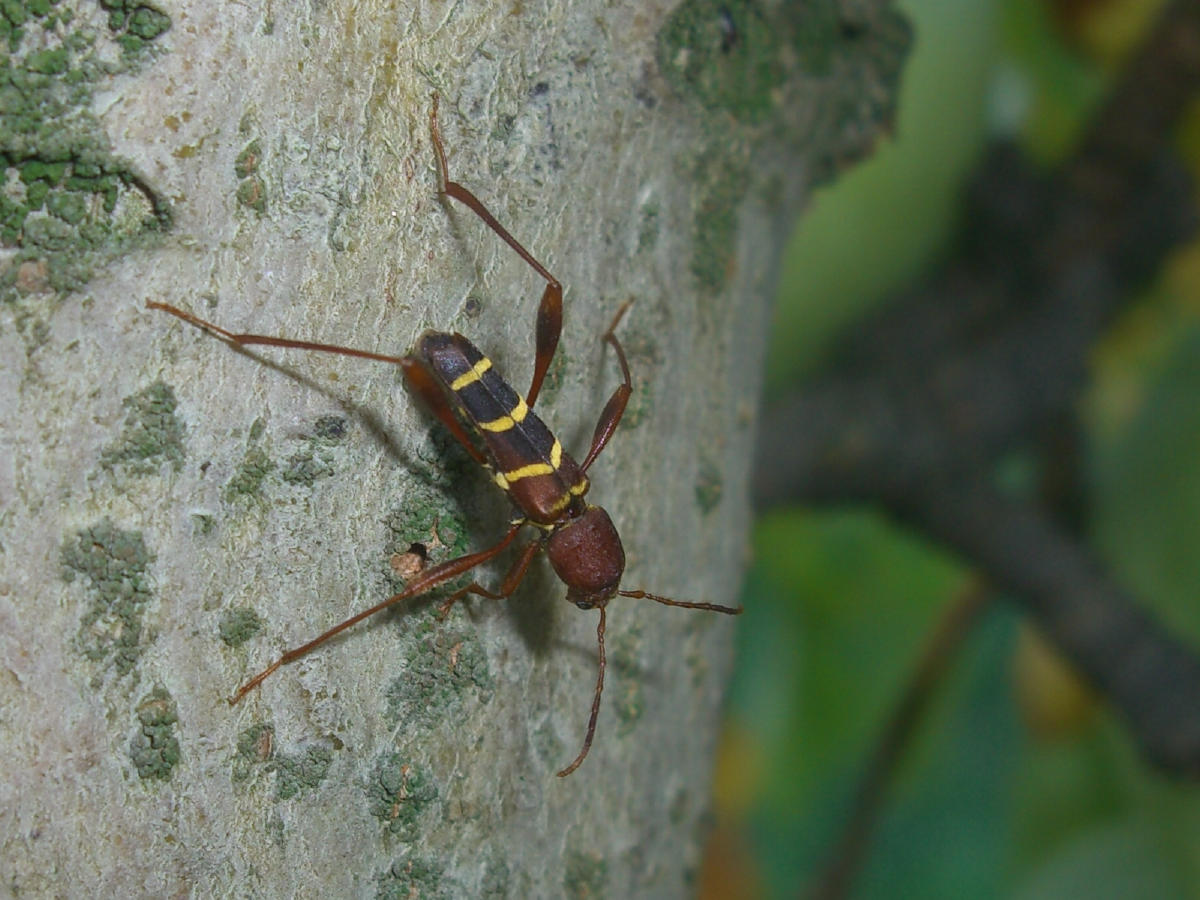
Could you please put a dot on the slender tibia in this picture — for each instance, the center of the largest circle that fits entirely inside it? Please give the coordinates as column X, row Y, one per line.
column 244, row 340
column 511, row 582
column 426, row 581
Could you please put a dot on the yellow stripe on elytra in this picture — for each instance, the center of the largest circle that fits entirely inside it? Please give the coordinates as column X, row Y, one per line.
column 518, row 414
column 472, row 375
column 529, row 471
column 559, row 505
column 505, row 479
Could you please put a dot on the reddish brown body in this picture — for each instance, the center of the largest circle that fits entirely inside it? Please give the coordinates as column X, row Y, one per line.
column 529, row 463
column 543, row 481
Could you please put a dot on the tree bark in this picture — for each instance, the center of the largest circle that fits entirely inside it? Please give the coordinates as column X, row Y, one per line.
column 175, row 513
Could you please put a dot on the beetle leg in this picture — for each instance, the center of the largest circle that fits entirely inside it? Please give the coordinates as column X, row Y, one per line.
column 549, row 315
column 511, row 581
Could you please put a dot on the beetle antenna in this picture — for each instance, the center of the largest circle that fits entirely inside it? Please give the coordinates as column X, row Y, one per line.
column 439, row 150
column 667, row 601
column 591, row 729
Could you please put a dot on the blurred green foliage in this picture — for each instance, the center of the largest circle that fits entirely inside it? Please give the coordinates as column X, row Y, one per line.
column 988, row 803
column 883, row 221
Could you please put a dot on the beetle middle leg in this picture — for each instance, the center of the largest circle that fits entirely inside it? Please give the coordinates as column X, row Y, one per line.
column 424, row 582
column 512, row 580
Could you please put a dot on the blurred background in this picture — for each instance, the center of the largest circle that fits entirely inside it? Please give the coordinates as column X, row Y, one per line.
column 1002, row 774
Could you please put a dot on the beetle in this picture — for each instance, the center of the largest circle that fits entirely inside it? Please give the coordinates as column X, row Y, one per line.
column 501, row 432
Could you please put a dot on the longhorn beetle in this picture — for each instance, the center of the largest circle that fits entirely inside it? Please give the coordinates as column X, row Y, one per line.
column 547, row 486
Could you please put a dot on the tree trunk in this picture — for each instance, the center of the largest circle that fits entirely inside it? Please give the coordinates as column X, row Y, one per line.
column 175, row 513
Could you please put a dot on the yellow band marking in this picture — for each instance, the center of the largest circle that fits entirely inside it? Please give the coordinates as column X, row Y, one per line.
column 529, row 471
column 505, row 479
column 470, row 377
column 580, row 487
column 560, row 504
column 504, row 423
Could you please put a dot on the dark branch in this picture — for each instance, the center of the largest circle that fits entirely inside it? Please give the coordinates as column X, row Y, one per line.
column 990, row 355
column 1143, row 671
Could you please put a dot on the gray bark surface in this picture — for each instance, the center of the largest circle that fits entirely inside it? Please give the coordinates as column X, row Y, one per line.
column 174, row 514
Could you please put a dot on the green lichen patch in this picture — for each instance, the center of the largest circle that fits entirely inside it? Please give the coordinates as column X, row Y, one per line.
column 548, row 745
column 727, row 54
column 247, row 480
column 586, row 876
column 307, row 466
column 252, row 192
column 203, row 524
column 251, row 189
column 154, row 748
column 649, row 227
column 735, row 56
column 247, row 161
column 497, row 880
column 296, row 773
column 301, row 772
column 817, row 33
column 444, row 460
column 721, row 186
column 275, row 829
column 135, row 23
column 629, row 698
column 113, row 562
column 316, row 459
column 330, row 429
column 255, row 750
column 413, row 877
column 708, row 487
column 868, row 78
column 68, row 205
column 151, row 434
column 629, row 703
column 238, row 624
column 398, row 794
column 742, row 65
column 444, row 664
